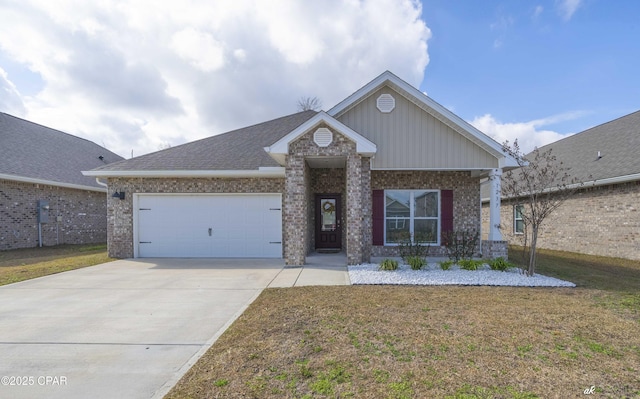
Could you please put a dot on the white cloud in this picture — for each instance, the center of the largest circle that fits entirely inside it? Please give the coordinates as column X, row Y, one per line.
column 566, row 8
column 10, row 100
column 138, row 74
column 529, row 134
column 537, row 11
column 200, row 49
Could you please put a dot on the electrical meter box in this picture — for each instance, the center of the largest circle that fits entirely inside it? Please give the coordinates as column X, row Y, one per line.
column 43, row 211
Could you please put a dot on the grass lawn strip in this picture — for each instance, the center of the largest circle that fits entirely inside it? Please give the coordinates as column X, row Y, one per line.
column 24, row 264
column 439, row 342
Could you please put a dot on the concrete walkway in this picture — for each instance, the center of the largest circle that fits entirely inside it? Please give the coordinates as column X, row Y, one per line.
column 129, row 328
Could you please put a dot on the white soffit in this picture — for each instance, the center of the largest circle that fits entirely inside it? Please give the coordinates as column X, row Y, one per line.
column 323, row 137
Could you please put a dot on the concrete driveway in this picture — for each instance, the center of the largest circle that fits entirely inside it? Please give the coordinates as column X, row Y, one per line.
column 125, row 329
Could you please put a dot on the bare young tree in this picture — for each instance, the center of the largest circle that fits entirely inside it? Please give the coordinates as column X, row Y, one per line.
column 309, row 103
column 540, row 185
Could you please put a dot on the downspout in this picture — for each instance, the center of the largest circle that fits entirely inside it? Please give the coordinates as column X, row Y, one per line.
column 101, row 183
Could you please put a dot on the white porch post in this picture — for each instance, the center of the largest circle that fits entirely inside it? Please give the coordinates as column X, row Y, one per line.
column 494, row 205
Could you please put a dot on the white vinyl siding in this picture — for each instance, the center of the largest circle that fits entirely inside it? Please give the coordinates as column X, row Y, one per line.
column 410, row 138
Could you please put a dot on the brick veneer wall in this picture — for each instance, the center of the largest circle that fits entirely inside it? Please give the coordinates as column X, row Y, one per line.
column 466, row 197
column 298, row 196
column 83, row 215
column 120, row 212
column 601, row 221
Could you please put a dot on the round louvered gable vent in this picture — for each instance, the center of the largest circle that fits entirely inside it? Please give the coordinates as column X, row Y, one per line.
column 386, row 103
column 323, row 137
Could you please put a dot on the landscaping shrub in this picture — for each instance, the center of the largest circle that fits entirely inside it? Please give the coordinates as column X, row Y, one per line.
column 388, row 264
column 500, row 264
column 470, row 264
column 460, row 244
column 445, row 264
column 416, row 262
column 408, row 248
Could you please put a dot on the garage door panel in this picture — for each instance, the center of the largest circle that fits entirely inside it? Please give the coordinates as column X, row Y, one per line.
column 241, row 225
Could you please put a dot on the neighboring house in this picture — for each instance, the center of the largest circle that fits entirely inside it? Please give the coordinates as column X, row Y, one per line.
column 40, row 168
column 386, row 158
column 603, row 218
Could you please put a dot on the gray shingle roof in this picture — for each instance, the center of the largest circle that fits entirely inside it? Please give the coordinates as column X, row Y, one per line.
column 241, row 149
column 618, row 142
column 38, row 152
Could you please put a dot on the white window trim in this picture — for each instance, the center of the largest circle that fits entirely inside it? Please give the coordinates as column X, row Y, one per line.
column 515, row 219
column 411, row 217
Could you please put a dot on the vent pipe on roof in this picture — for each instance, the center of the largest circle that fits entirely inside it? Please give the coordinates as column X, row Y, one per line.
column 599, row 156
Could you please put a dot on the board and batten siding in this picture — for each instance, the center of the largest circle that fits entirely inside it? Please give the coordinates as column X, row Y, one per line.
column 410, row 138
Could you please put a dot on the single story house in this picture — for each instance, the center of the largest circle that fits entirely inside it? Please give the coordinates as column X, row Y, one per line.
column 386, row 159
column 44, row 198
column 603, row 217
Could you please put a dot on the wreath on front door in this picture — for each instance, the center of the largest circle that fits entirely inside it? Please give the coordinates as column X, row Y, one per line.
column 328, row 207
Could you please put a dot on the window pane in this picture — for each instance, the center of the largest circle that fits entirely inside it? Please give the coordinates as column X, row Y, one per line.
column 398, row 229
column 426, row 204
column 519, row 211
column 519, row 226
column 426, row 230
column 328, row 214
column 397, row 203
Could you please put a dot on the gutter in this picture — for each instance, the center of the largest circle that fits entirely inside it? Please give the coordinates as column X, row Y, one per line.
column 260, row 172
column 592, row 183
column 51, row 183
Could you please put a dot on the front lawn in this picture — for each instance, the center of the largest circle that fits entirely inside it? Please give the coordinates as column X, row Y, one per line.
column 27, row 263
column 435, row 342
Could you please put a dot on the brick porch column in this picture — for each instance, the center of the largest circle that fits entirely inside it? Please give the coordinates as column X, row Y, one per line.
column 355, row 233
column 294, row 215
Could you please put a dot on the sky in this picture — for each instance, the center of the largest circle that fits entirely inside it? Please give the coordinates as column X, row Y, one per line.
column 137, row 76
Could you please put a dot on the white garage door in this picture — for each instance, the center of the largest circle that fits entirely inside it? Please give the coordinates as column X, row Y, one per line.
column 202, row 226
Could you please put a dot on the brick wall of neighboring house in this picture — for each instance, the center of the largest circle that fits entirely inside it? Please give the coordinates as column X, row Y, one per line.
column 601, row 221
column 120, row 212
column 75, row 216
column 466, row 197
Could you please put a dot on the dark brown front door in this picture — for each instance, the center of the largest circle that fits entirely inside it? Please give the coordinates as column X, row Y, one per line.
column 328, row 221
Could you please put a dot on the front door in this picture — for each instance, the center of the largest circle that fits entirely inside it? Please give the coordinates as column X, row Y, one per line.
column 328, row 221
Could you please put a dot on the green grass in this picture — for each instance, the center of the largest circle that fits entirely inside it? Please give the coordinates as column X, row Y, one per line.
column 24, row 264
column 435, row 342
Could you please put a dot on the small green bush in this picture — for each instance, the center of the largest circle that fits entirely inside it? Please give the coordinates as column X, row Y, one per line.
column 388, row 264
column 416, row 262
column 446, row 264
column 470, row 264
column 500, row 264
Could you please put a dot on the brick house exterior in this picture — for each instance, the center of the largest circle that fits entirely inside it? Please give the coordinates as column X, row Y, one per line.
column 334, row 181
column 42, row 164
column 602, row 218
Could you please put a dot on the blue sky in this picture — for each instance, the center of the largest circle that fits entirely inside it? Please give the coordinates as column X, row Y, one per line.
column 136, row 79
column 520, row 61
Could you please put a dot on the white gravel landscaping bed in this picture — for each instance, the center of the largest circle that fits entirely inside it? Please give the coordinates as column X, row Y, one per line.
column 432, row 274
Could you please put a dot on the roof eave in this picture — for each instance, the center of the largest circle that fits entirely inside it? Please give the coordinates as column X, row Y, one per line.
column 265, row 172
column 280, row 148
column 488, row 144
column 23, row 179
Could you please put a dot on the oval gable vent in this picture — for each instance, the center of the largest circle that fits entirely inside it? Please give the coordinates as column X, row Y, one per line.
column 323, row 137
column 386, row 103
